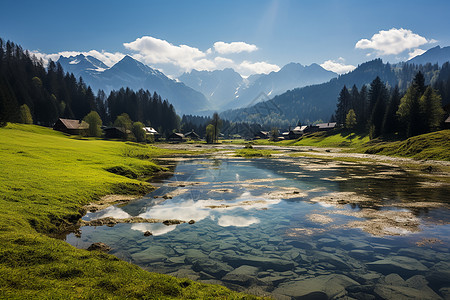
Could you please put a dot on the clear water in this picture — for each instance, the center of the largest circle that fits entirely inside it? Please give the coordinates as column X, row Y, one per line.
column 257, row 229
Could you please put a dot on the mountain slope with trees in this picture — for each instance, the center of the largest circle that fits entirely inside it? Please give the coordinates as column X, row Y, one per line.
column 135, row 75
column 318, row 102
column 29, row 93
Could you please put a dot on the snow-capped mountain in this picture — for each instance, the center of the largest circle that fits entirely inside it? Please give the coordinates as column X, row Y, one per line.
column 133, row 74
column 227, row 89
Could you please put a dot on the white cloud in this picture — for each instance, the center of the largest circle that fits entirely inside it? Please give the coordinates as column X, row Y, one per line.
column 393, row 41
column 247, row 68
column 415, row 53
column 337, row 67
column 155, row 51
column 234, row 47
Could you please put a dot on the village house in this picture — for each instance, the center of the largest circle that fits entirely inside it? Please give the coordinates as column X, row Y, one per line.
column 116, row 133
column 75, row 127
column 176, row 137
column 192, row 135
column 152, row 131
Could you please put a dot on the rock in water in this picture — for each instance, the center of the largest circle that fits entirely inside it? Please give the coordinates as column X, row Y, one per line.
column 99, row 247
column 320, row 287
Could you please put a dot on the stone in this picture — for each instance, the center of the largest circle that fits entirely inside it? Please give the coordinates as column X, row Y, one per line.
column 99, row 247
column 445, row 292
column 212, row 267
column 264, row 263
column 439, row 274
column 150, row 255
column 361, row 254
column 192, row 255
column 394, row 279
column 320, row 256
column 185, row 273
column 244, row 275
column 402, row 265
column 320, row 287
column 402, row 293
column 191, row 222
column 148, row 233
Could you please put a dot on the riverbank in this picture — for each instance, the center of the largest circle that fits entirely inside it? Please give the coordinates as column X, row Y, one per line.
column 46, row 180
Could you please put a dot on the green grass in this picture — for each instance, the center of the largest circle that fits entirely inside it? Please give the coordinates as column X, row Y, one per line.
column 253, row 153
column 435, row 146
column 45, row 180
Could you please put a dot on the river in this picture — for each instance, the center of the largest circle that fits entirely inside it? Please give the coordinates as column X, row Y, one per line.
column 290, row 228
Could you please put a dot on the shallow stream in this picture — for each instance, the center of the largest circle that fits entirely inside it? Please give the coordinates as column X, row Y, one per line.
column 290, row 228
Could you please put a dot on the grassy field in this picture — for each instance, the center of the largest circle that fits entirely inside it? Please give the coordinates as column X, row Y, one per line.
column 435, row 145
column 45, row 180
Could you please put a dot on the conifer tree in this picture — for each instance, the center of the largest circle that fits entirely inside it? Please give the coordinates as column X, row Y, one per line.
column 25, row 115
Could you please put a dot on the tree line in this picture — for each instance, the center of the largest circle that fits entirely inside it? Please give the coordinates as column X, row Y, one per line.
column 381, row 110
column 31, row 93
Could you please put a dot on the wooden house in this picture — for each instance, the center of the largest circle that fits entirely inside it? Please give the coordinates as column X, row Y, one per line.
column 176, row 137
column 192, row 135
column 75, row 127
column 116, row 133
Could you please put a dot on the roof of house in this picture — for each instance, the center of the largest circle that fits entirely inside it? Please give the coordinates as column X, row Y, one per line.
column 176, row 134
column 192, row 133
column 327, row 125
column 74, row 124
column 150, row 130
column 299, row 129
column 447, row 120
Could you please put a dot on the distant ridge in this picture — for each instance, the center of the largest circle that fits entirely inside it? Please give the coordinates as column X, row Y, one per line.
column 434, row 55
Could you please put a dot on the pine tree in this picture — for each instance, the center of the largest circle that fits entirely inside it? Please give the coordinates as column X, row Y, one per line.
column 378, row 95
column 390, row 122
column 343, row 105
column 431, row 110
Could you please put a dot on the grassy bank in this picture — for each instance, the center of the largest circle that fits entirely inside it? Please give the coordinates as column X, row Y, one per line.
column 46, row 179
column 435, row 146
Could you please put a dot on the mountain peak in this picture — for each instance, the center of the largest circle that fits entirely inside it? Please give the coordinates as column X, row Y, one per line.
column 434, row 55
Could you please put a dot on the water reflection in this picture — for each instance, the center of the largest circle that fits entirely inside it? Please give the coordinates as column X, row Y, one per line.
column 278, row 226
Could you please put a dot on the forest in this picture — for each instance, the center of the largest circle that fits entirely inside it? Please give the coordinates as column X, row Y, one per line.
column 31, row 93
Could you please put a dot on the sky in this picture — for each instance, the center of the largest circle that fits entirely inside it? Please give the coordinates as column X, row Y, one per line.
column 253, row 36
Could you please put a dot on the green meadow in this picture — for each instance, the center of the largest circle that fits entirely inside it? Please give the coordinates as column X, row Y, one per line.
column 46, row 178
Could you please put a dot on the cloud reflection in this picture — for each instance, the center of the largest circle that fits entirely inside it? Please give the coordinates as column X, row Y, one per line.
column 226, row 221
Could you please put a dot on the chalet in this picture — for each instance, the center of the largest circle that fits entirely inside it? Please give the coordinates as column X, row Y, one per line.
column 326, row 126
column 262, row 135
column 152, row 131
column 192, row 135
column 76, row 127
column 176, row 137
column 447, row 123
column 116, row 133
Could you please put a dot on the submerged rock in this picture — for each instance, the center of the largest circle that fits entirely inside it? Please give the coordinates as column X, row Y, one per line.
column 99, row 247
column 244, row 275
column 264, row 263
column 399, row 264
column 320, row 287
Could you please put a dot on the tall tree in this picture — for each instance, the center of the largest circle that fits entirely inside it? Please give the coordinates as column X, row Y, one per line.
column 390, row 121
column 95, row 123
column 378, row 95
column 431, row 110
column 217, row 123
column 343, row 105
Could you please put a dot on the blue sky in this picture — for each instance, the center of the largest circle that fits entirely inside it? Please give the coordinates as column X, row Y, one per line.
column 250, row 36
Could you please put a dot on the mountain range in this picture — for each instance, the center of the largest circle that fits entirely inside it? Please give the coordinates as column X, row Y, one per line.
column 306, row 93
column 226, row 89
column 135, row 75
